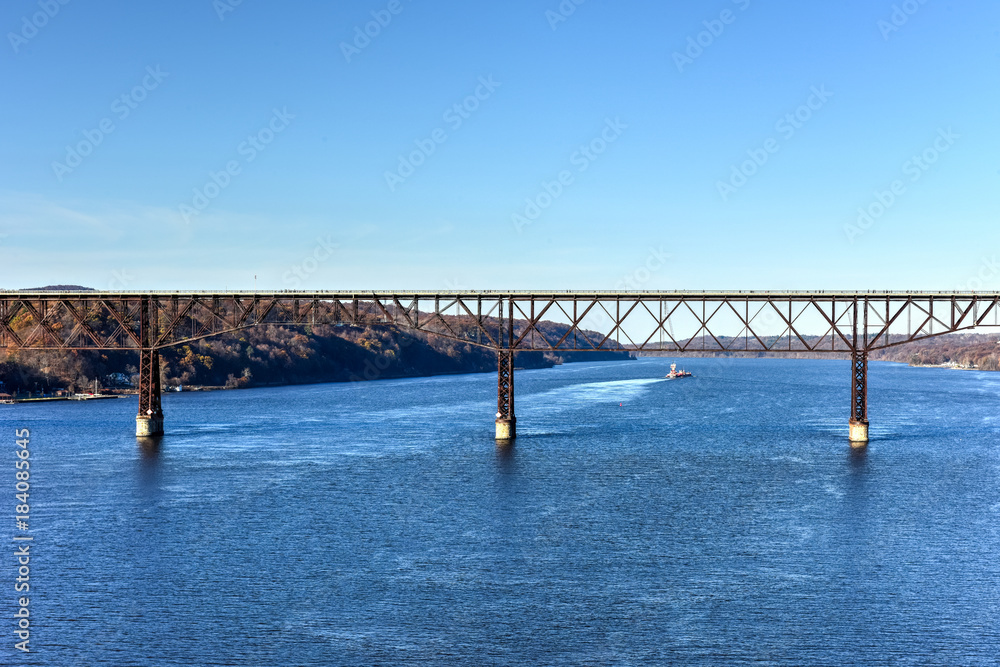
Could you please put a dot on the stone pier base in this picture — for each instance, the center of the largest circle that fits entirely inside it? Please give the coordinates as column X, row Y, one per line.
column 858, row 433
column 148, row 426
column 506, row 429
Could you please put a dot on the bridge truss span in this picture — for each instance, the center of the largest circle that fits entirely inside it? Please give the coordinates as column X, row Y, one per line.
column 845, row 323
column 543, row 321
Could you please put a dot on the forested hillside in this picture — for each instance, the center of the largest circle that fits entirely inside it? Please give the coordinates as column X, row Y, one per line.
column 980, row 351
column 268, row 355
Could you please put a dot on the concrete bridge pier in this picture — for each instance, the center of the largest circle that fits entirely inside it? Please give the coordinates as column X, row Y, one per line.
column 858, row 424
column 858, row 433
column 506, row 430
column 148, row 427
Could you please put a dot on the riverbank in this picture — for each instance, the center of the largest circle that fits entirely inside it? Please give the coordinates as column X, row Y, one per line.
column 273, row 356
column 123, row 393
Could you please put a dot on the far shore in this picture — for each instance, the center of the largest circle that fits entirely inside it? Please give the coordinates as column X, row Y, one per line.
column 123, row 393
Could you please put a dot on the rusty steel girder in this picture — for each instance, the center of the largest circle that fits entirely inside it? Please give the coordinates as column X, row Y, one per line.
column 859, row 386
column 844, row 323
column 505, row 369
column 149, row 366
column 822, row 322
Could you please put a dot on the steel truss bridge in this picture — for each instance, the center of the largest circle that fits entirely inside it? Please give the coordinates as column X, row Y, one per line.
column 838, row 323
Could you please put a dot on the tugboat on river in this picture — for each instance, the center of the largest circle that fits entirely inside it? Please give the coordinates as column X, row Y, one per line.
column 675, row 374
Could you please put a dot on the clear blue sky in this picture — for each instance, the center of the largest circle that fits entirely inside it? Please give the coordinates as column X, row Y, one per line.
column 680, row 116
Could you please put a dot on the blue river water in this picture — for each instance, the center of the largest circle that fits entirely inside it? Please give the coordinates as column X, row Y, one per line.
column 716, row 520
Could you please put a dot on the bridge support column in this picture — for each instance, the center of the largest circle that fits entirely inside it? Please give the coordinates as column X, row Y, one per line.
column 506, row 421
column 149, row 421
column 858, row 425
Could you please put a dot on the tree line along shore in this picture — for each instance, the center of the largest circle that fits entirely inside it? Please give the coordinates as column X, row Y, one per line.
column 966, row 351
column 268, row 355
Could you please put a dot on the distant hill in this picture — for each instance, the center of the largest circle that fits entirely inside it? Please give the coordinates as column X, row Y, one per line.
column 981, row 351
column 61, row 288
column 274, row 354
column 965, row 350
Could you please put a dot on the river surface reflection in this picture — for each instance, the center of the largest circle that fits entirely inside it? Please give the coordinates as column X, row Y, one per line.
column 721, row 519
